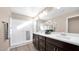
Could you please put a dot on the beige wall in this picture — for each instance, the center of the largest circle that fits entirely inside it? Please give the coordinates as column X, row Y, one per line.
column 4, row 16
column 61, row 20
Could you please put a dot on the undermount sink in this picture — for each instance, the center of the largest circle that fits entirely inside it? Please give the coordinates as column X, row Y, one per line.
column 65, row 36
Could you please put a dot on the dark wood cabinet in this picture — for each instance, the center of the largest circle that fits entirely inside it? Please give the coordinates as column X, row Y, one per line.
column 43, row 43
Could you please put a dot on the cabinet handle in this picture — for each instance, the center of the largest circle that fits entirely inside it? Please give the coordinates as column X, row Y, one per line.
column 54, row 49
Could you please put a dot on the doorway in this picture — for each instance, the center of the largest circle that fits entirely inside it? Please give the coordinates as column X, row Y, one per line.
column 19, row 30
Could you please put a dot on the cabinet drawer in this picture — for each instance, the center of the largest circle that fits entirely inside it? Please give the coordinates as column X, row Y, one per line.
column 42, row 37
column 42, row 41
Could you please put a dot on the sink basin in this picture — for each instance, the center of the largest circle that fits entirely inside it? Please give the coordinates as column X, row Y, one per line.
column 64, row 36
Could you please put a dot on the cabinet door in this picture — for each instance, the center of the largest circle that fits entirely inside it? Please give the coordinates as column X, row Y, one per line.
column 50, row 47
column 41, row 43
column 35, row 41
column 41, row 48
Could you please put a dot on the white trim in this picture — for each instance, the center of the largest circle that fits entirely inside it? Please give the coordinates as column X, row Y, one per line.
column 19, row 45
column 67, row 25
column 73, row 16
column 67, row 21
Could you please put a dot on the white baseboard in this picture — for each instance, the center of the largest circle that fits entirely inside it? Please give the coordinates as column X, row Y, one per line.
column 19, row 45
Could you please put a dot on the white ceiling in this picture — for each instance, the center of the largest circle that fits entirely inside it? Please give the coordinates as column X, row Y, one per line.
column 28, row 11
column 51, row 12
column 56, row 12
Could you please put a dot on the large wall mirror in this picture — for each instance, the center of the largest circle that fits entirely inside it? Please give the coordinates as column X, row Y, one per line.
column 73, row 24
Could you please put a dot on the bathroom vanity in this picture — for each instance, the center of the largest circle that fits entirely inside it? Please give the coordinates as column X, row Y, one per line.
column 56, row 41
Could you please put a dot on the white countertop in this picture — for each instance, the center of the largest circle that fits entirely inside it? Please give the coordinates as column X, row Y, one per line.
column 61, row 36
